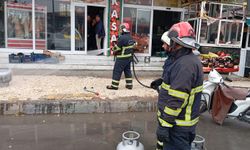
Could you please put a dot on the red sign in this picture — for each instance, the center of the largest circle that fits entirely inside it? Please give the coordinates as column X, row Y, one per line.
column 26, row 43
column 115, row 9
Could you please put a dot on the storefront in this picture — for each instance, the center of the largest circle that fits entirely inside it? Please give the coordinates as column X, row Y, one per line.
column 219, row 30
column 68, row 26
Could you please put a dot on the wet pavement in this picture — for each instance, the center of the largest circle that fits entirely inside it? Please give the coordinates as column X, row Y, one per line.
column 103, row 132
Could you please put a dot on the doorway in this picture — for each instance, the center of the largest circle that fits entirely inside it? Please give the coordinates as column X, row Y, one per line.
column 94, row 11
column 163, row 20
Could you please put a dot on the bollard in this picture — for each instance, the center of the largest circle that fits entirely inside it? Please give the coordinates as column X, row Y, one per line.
column 5, row 77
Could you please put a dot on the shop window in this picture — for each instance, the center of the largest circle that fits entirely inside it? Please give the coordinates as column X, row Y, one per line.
column 219, row 24
column 213, row 10
column 54, row 24
column 194, row 23
column 186, row 13
column 92, row 1
column 209, row 32
column 2, row 27
column 232, row 12
column 230, row 33
column 139, row 2
column 194, row 10
column 129, row 16
column 139, row 21
column 168, row 3
column 19, row 24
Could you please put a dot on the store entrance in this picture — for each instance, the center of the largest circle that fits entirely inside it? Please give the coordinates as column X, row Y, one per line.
column 163, row 20
column 95, row 23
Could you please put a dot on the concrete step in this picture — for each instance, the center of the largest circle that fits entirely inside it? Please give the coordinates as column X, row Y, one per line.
column 82, row 62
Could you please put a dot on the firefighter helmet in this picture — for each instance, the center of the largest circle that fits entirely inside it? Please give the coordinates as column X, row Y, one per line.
column 124, row 27
column 183, row 34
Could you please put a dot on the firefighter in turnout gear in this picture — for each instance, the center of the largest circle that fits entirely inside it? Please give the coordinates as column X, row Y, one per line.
column 123, row 52
column 180, row 89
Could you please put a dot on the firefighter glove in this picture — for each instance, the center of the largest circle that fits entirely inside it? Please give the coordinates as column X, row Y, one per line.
column 156, row 83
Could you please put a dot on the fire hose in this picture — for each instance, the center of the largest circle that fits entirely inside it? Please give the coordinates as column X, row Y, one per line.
column 135, row 61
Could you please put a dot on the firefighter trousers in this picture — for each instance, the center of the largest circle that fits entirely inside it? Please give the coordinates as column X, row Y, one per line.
column 178, row 140
column 122, row 65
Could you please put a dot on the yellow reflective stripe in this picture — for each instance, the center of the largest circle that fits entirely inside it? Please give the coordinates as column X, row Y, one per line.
column 175, row 93
column 116, row 48
column 127, row 47
column 124, row 56
column 115, row 81
column 158, row 113
column 197, row 89
column 191, row 102
column 189, row 108
column 128, row 78
column 178, row 94
column 164, row 123
column 114, row 85
column 172, row 112
column 165, row 86
column 160, row 143
column 186, row 123
column 124, row 48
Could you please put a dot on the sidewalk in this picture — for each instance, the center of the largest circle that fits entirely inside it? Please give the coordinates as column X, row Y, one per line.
column 48, row 92
column 46, row 87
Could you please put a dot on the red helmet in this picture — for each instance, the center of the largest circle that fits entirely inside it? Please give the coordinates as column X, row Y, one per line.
column 183, row 34
column 124, row 27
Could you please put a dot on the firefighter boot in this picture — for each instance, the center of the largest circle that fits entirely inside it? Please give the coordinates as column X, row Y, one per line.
column 110, row 87
column 130, row 87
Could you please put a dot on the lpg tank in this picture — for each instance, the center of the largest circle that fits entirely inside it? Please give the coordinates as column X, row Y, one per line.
column 130, row 141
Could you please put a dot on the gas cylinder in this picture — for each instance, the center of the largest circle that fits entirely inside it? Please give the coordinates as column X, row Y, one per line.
column 198, row 143
column 130, row 141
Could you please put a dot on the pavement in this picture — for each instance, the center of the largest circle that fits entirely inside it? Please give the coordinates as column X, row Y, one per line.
column 35, row 91
column 104, row 131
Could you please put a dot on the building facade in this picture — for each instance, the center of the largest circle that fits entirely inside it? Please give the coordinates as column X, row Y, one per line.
column 69, row 26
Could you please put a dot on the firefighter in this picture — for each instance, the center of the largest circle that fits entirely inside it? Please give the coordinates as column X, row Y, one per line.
column 180, row 90
column 123, row 52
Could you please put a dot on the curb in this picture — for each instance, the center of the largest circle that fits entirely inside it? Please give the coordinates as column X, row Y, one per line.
column 77, row 106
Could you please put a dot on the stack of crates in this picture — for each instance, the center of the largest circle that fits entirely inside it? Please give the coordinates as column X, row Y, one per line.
column 22, row 58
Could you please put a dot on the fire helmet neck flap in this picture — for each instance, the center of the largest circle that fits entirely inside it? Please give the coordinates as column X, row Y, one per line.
column 183, row 34
column 165, row 38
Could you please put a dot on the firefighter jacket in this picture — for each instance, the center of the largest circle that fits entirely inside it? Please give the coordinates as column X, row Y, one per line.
column 180, row 93
column 124, row 47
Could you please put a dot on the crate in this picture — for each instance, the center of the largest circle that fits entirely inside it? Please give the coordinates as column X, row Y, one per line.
column 13, row 58
column 27, row 59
